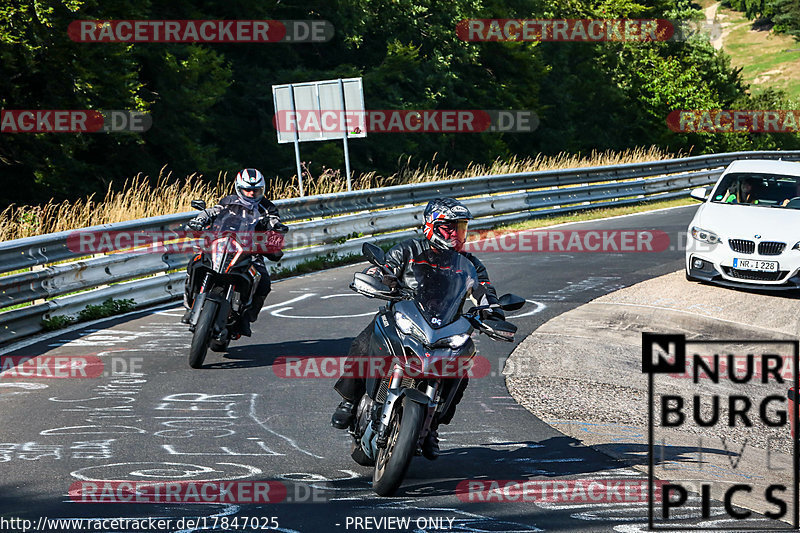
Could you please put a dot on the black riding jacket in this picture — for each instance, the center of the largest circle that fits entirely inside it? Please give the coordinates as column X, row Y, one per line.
column 403, row 254
column 266, row 209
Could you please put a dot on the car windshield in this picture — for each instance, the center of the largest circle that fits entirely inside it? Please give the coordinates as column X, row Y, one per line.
column 759, row 190
column 443, row 280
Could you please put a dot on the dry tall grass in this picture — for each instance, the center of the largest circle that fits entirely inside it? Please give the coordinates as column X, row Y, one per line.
column 139, row 199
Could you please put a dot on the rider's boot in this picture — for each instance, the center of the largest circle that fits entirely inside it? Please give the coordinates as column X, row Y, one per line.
column 430, row 447
column 188, row 313
column 344, row 415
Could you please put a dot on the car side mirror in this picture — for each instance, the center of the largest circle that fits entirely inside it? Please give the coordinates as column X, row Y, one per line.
column 700, row 193
column 198, row 204
column 511, row 302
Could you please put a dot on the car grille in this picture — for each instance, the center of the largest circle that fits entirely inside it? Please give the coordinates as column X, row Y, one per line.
column 742, row 246
column 753, row 275
column 771, row 248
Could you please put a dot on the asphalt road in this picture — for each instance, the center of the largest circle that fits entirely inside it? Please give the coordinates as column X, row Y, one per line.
column 151, row 417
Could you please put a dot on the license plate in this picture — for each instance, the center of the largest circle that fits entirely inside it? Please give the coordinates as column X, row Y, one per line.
column 755, row 264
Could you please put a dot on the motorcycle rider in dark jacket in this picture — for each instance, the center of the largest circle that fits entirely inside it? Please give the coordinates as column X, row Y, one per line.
column 445, row 228
column 250, row 186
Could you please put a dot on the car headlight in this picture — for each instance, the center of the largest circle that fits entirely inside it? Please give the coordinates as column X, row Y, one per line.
column 706, row 236
column 407, row 326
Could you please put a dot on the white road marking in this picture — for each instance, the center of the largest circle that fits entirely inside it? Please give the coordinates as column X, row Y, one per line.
column 278, row 312
column 26, row 386
column 293, row 300
column 291, row 441
column 539, row 308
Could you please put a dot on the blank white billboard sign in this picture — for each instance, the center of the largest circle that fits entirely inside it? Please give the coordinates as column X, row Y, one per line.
column 319, row 110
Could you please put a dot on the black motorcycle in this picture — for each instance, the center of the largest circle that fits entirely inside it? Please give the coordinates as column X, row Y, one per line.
column 223, row 278
column 428, row 343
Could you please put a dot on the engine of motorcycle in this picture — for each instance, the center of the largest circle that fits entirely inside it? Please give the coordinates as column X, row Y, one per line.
column 363, row 414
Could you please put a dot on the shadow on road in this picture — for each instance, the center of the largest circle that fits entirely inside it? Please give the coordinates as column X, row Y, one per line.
column 556, row 457
column 257, row 355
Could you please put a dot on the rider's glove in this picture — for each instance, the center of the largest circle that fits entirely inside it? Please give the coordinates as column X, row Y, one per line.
column 197, row 223
column 280, row 228
column 389, row 280
column 493, row 313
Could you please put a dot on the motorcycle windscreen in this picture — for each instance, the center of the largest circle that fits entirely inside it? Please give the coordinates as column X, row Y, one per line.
column 443, row 280
column 236, row 218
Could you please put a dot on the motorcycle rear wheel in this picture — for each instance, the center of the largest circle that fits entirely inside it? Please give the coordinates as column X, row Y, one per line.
column 202, row 334
column 392, row 462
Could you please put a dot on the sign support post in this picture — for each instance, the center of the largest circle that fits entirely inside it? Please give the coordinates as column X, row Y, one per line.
column 296, row 142
column 346, row 133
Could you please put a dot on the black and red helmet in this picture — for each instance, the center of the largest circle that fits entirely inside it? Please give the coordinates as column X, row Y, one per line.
column 445, row 224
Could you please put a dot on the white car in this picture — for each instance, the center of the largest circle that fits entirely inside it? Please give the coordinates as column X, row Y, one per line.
column 747, row 232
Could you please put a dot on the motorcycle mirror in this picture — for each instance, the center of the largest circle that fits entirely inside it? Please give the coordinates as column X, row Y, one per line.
column 373, row 254
column 511, row 302
column 198, row 204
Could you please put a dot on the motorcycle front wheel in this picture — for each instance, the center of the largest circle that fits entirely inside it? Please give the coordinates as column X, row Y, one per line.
column 393, row 460
column 202, row 334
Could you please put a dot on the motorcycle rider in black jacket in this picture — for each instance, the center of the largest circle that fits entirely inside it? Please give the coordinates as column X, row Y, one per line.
column 445, row 228
column 250, row 186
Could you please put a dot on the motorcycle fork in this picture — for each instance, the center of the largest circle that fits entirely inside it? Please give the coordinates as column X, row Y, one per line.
column 199, row 300
column 431, row 392
column 392, row 396
column 221, row 325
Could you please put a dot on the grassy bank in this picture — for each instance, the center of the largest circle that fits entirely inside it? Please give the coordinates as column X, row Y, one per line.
column 138, row 198
column 767, row 59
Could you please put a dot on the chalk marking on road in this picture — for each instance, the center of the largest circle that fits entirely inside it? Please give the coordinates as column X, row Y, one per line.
column 26, row 386
column 92, row 430
column 261, row 423
column 338, row 295
column 539, row 308
column 660, row 308
column 158, row 472
column 293, row 300
column 278, row 312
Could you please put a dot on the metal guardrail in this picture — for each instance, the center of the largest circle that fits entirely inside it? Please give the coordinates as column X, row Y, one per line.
column 324, row 224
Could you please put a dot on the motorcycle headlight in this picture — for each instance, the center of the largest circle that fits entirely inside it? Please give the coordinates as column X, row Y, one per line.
column 453, row 342
column 702, row 235
column 407, row 326
column 218, row 250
